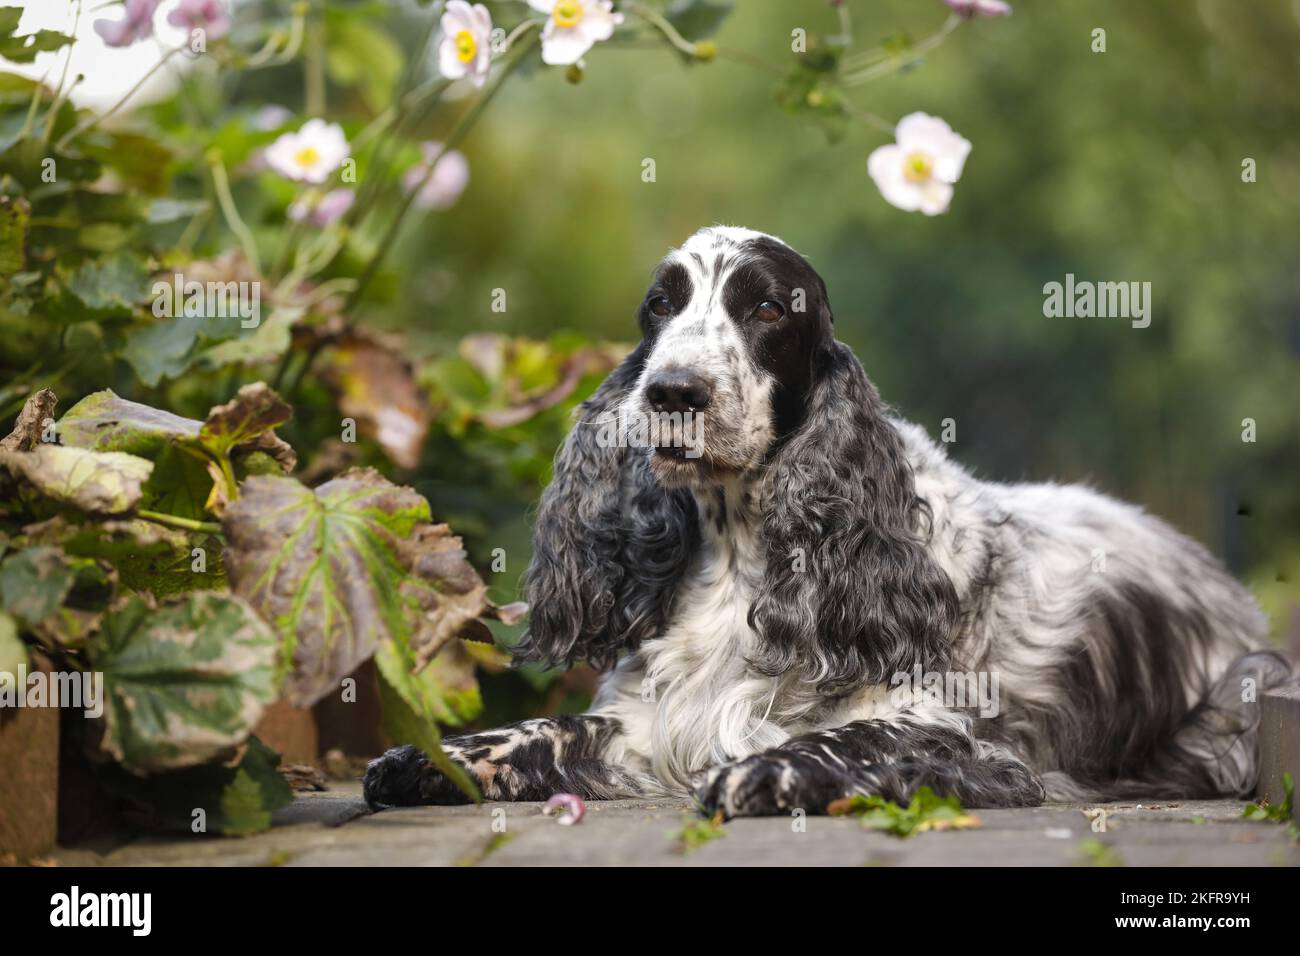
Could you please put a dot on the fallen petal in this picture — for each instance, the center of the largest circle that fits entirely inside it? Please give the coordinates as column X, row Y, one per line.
column 568, row 805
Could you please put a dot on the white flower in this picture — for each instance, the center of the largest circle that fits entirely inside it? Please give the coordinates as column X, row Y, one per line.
column 573, row 27
column 310, row 154
column 918, row 169
column 449, row 179
column 465, row 49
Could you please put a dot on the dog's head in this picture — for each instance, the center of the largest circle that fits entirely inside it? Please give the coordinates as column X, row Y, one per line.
column 731, row 325
column 737, row 353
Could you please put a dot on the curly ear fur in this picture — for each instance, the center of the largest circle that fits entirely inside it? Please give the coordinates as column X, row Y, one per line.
column 869, row 602
column 609, row 545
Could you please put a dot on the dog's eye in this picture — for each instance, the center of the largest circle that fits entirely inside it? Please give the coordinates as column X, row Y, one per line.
column 769, row 311
column 660, row 307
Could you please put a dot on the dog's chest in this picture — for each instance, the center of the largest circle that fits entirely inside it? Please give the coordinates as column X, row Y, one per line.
column 698, row 703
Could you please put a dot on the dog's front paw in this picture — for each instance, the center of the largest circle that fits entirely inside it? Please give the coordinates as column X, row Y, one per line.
column 404, row 777
column 395, row 779
column 758, row 786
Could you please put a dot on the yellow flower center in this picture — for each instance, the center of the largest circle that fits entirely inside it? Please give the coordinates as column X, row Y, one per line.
column 307, row 157
column 466, row 46
column 567, row 13
column 917, row 168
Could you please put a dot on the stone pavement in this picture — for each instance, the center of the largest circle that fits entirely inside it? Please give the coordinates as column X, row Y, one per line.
column 335, row 829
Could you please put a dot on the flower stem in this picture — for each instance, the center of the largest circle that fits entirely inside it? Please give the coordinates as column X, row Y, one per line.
column 846, row 21
column 95, row 120
column 659, row 22
column 221, row 183
column 59, row 95
column 308, row 201
column 175, row 521
column 749, row 59
column 519, row 31
column 269, row 55
column 38, row 89
column 458, row 133
column 313, row 66
column 895, row 63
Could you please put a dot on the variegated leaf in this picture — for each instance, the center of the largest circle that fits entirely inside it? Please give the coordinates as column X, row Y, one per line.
column 108, row 482
column 184, row 682
column 344, row 568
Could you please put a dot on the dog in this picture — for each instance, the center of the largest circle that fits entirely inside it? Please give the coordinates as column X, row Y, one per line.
column 772, row 605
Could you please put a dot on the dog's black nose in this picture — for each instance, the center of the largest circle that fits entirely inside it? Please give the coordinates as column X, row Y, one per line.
column 678, row 391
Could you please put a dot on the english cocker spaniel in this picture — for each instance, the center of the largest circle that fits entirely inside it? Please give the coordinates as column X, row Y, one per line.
column 799, row 597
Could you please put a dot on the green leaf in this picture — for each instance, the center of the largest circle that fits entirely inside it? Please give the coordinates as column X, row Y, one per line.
column 229, row 804
column 97, row 482
column 147, row 556
column 345, row 568
column 181, row 484
column 102, row 421
column 696, row 832
column 162, row 349
column 409, row 703
column 71, row 626
column 268, row 341
column 1276, row 812
column 247, row 421
column 180, row 447
column 114, row 283
column 184, row 682
column 23, row 49
column 926, row 811
column 243, row 807
column 34, row 583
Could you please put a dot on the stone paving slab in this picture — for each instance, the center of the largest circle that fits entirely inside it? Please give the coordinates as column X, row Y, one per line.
column 335, row 829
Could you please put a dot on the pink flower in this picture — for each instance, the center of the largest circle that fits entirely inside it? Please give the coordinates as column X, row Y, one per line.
column 327, row 210
column 449, row 179
column 979, row 8
column 207, row 15
column 136, row 25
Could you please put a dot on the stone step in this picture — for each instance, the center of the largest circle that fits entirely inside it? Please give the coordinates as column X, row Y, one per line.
column 1279, row 742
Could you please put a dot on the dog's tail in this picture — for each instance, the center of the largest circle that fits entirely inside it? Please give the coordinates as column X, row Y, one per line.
column 1213, row 753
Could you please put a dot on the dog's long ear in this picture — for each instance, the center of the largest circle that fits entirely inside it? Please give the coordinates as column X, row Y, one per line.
column 851, row 594
column 609, row 544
